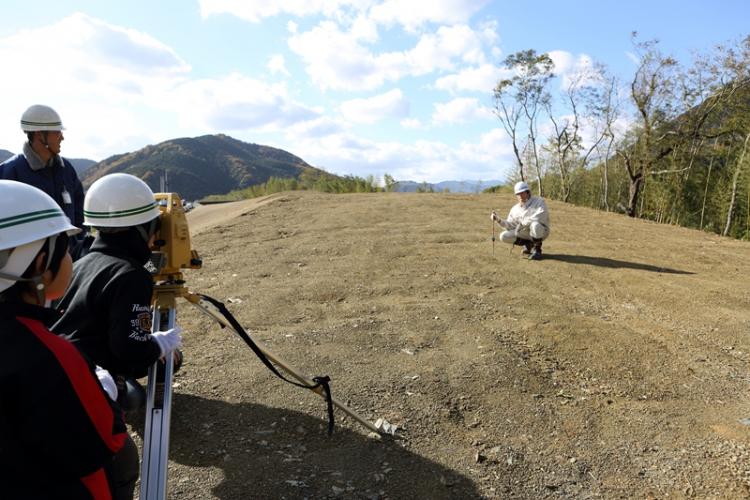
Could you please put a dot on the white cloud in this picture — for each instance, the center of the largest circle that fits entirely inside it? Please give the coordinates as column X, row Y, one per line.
column 364, row 29
column 474, row 79
column 276, row 65
column 573, row 70
column 491, row 157
column 335, row 59
column 412, row 123
column 87, row 51
column 407, row 13
column 98, row 77
column 256, row 10
column 460, row 110
column 118, row 89
column 411, row 14
column 448, row 44
column 376, row 108
column 236, row 103
column 317, row 128
column 563, row 60
column 338, row 60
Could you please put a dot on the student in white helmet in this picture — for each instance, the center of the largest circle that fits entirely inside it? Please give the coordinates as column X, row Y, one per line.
column 58, row 428
column 106, row 311
column 41, row 165
column 527, row 223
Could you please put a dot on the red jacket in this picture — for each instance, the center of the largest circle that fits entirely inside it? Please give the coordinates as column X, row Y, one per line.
column 58, row 429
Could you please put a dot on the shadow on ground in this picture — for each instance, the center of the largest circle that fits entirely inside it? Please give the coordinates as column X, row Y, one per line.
column 605, row 262
column 278, row 453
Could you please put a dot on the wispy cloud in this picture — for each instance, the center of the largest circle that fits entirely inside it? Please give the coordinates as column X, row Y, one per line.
column 473, row 79
column 391, row 104
column 460, row 110
column 277, row 65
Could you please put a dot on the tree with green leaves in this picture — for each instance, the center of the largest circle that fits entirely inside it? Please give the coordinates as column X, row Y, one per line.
column 651, row 92
column 390, row 183
column 518, row 101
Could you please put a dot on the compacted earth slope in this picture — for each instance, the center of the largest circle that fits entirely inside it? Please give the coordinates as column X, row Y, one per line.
column 617, row 367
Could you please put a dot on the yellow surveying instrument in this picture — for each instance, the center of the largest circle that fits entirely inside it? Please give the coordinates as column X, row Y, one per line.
column 172, row 254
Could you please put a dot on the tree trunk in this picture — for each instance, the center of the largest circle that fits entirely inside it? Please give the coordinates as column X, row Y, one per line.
column 636, row 181
column 605, row 174
column 735, row 179
column 705, row 191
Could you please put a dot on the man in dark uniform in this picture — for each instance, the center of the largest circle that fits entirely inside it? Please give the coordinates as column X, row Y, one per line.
column 40, row 165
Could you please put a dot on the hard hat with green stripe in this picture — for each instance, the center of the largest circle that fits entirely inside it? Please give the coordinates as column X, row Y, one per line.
column 40, row 118
column 28, row 216
column 118, row 201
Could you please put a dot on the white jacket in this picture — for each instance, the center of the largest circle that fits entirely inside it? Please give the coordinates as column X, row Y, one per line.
column 534, row 210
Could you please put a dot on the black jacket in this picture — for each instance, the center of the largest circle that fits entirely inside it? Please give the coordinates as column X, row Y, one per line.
column 106, row 310
column 58, row 429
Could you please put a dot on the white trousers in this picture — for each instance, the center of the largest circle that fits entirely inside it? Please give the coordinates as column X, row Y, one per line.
column 535, row 231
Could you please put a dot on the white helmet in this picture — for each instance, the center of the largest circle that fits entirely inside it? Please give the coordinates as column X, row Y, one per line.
column 40, row 118
column 119, row 200
column 520, row 187
column 28, row 216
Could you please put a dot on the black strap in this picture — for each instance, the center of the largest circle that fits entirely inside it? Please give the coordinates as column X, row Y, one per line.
column 321, row 381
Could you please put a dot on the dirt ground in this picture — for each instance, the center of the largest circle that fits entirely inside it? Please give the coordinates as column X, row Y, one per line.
column 617, row 367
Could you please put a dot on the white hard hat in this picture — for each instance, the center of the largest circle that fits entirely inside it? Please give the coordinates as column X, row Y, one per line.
column 119, row 200
column 40, row 118
column 520, row 187
column 28, row 216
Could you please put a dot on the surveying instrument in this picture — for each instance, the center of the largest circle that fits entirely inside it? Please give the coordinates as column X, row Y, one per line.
column 171, row 254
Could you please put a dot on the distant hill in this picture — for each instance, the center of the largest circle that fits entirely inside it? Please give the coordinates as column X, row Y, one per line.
column 200, row 166
column 452, row 186
column 80, row 164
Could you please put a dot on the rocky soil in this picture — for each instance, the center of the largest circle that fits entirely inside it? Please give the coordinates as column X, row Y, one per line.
column 617, row 367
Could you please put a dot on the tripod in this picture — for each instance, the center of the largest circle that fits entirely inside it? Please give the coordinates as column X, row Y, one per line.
column 159, row 401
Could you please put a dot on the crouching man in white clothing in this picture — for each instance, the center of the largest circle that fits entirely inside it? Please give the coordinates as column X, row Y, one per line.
column 527, row 223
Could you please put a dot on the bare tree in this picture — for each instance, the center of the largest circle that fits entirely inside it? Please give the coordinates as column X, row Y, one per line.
column 606, row 117
column 589, row 103
column 518, row 101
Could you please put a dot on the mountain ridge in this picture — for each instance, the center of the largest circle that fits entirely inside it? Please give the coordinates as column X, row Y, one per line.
column 201, row 166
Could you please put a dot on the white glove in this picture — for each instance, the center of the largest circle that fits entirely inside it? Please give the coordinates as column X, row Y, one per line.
column 168, row 340
column 108, row 383
column 493, row 215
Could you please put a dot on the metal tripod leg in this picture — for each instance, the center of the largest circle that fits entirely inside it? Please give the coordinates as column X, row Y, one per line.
column 158, row 410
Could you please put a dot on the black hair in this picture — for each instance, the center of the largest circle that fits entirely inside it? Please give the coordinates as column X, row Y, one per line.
column 62, row 241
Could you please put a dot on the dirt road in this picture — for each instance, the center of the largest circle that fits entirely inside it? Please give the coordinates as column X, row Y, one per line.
column 617, row 367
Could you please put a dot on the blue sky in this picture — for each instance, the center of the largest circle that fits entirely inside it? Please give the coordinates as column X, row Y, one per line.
column 362, row 87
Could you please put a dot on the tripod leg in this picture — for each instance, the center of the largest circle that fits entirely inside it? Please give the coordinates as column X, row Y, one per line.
column 158, row 410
